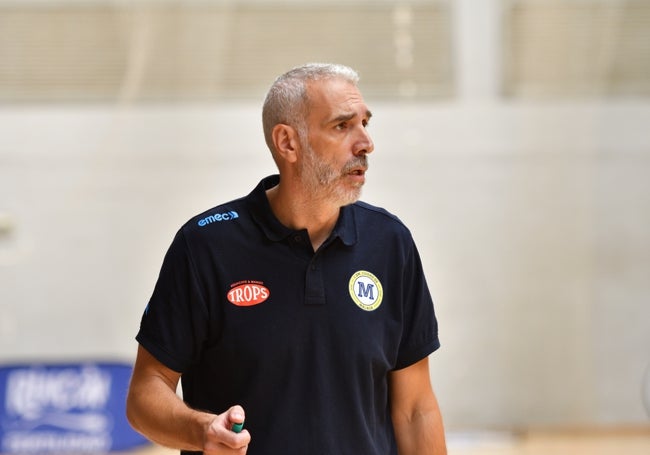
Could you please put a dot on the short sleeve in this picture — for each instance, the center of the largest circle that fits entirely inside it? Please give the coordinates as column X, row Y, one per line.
column 174, row 325
column 420, row 331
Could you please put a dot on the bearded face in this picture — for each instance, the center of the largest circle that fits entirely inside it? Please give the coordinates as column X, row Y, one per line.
column 323, row 179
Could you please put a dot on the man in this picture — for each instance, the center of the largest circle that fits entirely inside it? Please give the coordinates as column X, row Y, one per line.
column 295, row 308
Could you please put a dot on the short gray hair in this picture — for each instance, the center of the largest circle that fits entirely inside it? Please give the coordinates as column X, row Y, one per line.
column 286, row 100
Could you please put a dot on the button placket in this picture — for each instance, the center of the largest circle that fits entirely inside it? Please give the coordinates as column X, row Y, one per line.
column 314, row 284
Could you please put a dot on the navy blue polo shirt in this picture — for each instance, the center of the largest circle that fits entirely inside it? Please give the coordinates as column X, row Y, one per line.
column 303, row 340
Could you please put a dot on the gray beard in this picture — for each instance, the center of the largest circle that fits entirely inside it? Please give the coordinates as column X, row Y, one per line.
column 323, row 182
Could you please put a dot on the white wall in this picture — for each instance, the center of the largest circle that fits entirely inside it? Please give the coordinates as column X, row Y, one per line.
column 532, row 221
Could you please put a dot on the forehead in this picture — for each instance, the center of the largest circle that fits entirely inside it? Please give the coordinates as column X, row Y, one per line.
column 332, row 97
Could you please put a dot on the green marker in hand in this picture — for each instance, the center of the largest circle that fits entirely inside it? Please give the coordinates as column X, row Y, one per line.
column 237, row 427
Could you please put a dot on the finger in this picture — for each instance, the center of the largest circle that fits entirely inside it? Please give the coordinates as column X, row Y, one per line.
column 236, row 416
column 228, row 442
column 221, row 435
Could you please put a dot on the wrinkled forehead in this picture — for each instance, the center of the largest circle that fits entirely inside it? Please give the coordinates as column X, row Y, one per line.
column 328, row 96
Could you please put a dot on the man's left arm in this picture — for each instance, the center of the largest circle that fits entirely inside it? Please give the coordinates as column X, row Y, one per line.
column 414, row 409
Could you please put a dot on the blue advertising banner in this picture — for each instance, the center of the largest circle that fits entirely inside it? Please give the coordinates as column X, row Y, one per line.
column 71, row 408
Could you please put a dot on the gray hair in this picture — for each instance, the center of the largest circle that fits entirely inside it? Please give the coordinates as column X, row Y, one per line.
column 286, row 100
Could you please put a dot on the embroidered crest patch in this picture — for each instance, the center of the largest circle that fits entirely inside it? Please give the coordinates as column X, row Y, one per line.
column 366, row 290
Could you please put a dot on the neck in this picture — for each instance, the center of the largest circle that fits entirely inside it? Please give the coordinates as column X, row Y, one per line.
column 298, row 212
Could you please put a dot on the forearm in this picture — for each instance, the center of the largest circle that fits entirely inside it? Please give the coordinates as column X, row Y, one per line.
column 420, row 434
column 154, row 409
column 417, row 420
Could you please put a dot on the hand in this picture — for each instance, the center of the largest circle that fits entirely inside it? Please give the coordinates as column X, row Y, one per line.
column 219, row 437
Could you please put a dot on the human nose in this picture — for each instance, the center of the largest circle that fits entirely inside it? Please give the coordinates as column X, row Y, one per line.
column 364, row 144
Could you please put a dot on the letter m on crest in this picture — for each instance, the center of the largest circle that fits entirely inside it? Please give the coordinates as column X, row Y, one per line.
column 365, row 290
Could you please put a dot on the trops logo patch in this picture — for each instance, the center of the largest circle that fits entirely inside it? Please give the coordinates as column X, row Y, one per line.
column 365, row 290
column 248, row 293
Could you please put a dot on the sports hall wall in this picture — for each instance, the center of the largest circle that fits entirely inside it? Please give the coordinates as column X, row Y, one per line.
column 525, row 185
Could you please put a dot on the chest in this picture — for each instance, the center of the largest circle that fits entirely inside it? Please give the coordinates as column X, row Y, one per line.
column 285, row 303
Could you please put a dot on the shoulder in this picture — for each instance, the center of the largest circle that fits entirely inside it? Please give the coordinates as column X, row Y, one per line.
column 228, row 211
column 232, row 216
column 221, row 218
column 366, row 213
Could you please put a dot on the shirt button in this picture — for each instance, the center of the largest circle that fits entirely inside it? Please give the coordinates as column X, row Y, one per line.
column 297, row 238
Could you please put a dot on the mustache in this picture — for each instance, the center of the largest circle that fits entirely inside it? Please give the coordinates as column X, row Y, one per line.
column 356, row 163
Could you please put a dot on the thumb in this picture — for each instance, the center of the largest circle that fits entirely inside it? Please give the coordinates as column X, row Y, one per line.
column 235, row 418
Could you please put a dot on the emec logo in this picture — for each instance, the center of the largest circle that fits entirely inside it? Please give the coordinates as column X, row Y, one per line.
column 227, row 216
column 365, row 290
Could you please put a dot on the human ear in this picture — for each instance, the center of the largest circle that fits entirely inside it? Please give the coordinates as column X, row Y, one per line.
column 285, row 140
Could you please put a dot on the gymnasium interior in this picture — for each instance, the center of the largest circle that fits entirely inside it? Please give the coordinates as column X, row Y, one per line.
column 512, row 137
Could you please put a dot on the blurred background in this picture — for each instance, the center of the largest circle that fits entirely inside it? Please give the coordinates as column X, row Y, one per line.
column 511, row 136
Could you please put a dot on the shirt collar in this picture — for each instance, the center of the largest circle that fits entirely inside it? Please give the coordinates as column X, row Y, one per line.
column 345, row 227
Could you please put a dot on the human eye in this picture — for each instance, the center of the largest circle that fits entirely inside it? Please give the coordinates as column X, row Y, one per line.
column 341, row 126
